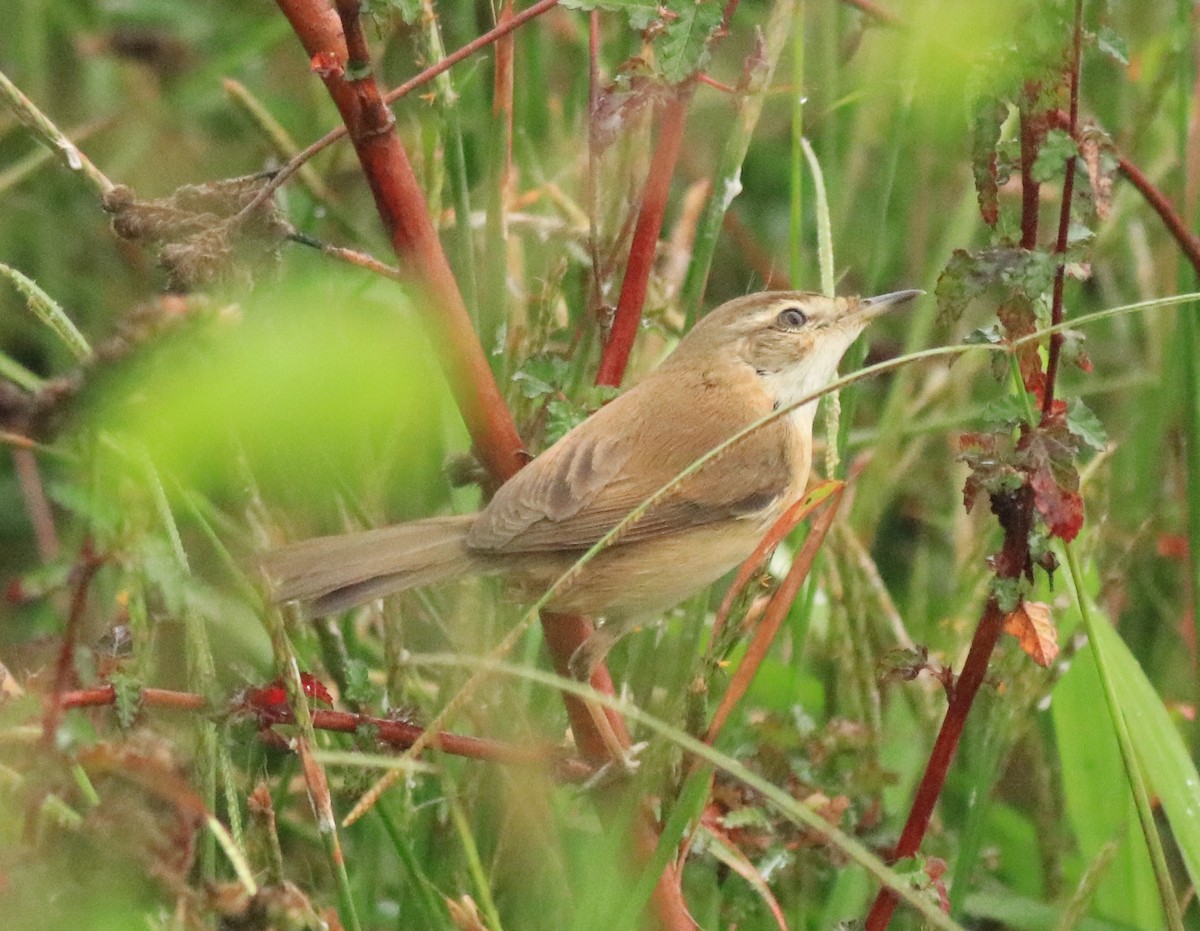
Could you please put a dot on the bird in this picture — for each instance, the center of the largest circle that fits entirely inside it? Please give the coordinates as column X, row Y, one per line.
column 750, row 356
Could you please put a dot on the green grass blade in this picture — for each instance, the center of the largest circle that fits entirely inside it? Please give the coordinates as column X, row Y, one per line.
column 1117, row 667
column 49, row 312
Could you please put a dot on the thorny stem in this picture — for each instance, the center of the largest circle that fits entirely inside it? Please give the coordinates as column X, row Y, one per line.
column 395, row 733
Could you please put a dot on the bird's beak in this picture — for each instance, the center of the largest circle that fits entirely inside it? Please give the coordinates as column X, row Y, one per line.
column 871, row 307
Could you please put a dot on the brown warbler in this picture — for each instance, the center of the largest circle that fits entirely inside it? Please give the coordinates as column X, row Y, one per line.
column 750, row 356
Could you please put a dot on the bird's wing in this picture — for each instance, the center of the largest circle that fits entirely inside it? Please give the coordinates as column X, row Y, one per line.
column 584, row 485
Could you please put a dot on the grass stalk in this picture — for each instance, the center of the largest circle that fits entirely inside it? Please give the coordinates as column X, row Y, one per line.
column 727, row 178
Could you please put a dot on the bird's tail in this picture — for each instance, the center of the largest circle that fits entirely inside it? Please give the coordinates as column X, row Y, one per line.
column 336, row 573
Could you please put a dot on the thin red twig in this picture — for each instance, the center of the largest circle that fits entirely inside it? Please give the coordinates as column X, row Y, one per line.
column 1177, row 226
column 85, row 571
column 645, row 239
column 502, row 98
column 33, row 493
column 777, row 611
column 398, row 734
column 103, row 695
column 782, row 527
column 975, row 667
column 1187, row 241
column 402, row 207
column 1064, row 220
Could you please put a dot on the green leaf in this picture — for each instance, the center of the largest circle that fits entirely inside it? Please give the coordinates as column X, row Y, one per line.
column 1113, row 45
column 985, row 336
column 1098, row 802
column 1004, row 270
column 1083, row 423
column 1052, row 156
column 1165, row 760
column 984, row 164
column 128, row 694
column 640, row 13
column 682, row 48
column 359, row 690
column 531, row 386
column 1005, row 412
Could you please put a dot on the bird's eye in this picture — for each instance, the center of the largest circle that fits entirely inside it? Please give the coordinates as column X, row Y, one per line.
column 792, row 318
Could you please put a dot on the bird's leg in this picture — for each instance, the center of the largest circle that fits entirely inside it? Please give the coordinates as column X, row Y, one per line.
column 582, row 665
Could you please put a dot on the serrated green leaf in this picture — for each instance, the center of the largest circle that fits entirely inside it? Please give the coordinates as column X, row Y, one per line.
column 640, row 13
column 1005, row 412
column 1057, row 147
column 682, row 48
column 531, row 386
column 1083, row 423
column 1007, row 592
column 968, row 275
column 127, row 692
column 359, row 690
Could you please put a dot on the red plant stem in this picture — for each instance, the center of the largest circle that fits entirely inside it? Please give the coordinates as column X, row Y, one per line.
column 399, row 734
column 85, row 571
column 987, row 633
column 1064, row 220
column 405, row 215
column 33, row 493
column 103, row 695
column 717, row 85
column 502, row 95
column 1033, row 131
column 564, row 634
column 645, row 239
column 1187, row 241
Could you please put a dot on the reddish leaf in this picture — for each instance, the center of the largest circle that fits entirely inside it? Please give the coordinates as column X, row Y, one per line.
column 1018, row 317
column 270, row 701
column 1048, row 454
column 1031, row 624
